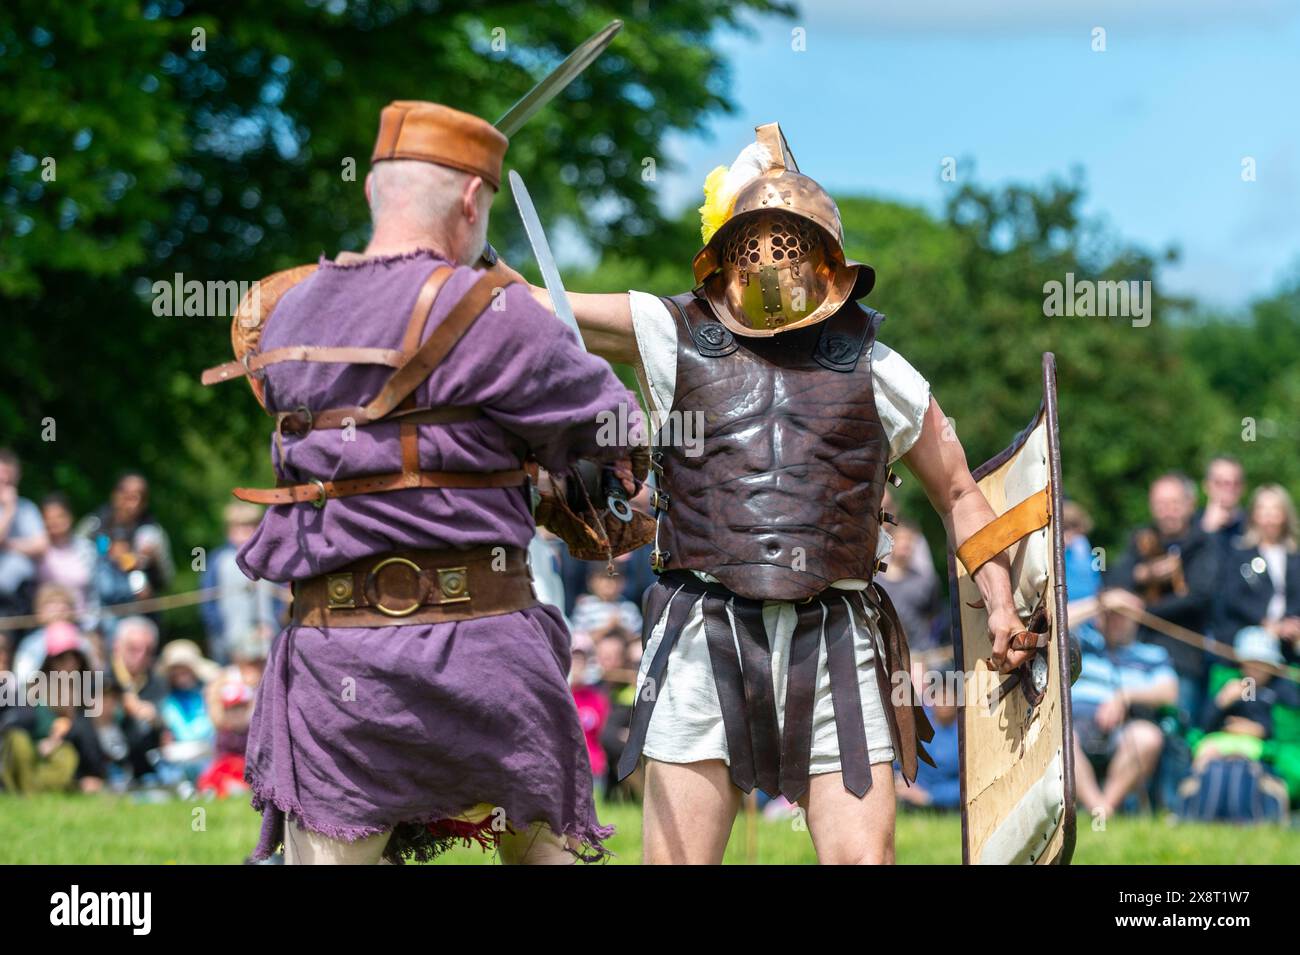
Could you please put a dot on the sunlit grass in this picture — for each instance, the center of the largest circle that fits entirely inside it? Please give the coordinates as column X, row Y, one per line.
column 77, row 830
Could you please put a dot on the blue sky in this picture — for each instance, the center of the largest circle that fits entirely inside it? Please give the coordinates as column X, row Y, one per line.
column 1159, row 122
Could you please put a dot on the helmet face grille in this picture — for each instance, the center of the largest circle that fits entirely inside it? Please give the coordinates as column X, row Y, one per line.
column 776, row 239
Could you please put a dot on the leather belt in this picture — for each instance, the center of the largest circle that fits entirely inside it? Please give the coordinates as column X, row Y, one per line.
column 303, row 421
column 778, row 761
column 318, row 492
column 417, row 587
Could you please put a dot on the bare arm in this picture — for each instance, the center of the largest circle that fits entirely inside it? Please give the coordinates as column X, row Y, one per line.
column 939, row 463
column 1160, row 693
column 605, row 321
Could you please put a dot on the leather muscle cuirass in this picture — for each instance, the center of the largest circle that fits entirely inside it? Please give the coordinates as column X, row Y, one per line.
column 779, row 493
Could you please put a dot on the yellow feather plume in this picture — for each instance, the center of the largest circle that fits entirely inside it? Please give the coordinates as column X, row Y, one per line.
column 717, row 207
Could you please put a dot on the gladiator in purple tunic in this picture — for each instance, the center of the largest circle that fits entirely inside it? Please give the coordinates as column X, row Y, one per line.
column 362, row 730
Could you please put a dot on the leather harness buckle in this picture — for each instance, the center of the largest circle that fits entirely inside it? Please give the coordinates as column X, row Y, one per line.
column 322, row 494
column 248, row 370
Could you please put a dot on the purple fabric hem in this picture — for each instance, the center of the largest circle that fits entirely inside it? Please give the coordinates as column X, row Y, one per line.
column 275, row 812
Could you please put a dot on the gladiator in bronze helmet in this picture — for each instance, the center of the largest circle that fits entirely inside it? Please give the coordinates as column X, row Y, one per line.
column 777, row 262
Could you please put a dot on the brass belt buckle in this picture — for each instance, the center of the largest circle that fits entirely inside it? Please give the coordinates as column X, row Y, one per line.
column 338, row 588
column 373, row 577
column 453, row 583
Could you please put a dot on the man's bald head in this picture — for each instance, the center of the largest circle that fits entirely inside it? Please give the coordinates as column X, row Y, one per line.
column 422, row 201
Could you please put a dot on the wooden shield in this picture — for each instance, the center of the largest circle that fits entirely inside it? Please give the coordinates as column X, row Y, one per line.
column 1016, row 739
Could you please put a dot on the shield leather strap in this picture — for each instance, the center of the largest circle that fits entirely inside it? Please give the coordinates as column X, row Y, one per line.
column 760, row 753
column 1031, row 514
column 417, row 587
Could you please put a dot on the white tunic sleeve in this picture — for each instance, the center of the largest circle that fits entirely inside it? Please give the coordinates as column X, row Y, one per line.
column 656, row 341
column 902, row 397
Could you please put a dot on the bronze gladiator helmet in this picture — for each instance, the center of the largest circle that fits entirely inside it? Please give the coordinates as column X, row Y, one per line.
column 778, row 262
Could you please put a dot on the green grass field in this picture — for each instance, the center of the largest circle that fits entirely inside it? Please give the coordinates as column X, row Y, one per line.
column 117, row 830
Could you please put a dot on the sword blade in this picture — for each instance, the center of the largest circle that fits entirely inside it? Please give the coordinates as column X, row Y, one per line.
column 555, row 81
column 542, row 253
column 612, row 488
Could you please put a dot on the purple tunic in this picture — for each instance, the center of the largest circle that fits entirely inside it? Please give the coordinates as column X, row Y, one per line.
column 360, row 730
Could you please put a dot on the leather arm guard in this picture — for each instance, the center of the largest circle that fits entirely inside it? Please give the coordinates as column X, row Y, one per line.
column 575, row 510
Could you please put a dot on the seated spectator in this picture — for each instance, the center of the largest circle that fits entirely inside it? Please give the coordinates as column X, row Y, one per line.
column 921, row 562
column 134, row 555
column 245, row 616
column 1174, row 567
column 1232, row 781
column 1082, row 579
column 50, row 744
column 22, row 540
column 69, row 561
column 131, row 665
column 1222, row 518
column 8, row 686
column 187, row 731
column 53, row 603
column 618, row 682
column 593, row 708
column 915, row 594
column 938, row 786
column 1122, row 683
column 111, row 733
column 1238, row 719
column 1261, row 573
column 603, row 608
column 230, row 707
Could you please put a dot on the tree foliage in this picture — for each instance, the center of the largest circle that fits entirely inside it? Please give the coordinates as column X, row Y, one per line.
column 215, row 139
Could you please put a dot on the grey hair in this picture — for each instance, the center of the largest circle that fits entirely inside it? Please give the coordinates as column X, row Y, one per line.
column 1186, row 484
column 143, row 623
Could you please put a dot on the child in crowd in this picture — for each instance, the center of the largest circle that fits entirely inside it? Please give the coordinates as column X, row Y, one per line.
column 188, row 734
column 603, row 608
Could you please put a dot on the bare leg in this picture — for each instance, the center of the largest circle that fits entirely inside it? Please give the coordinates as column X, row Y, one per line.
column 847, row 830
column 1136, row 754
column 689, row 811
column 535, row 845
column 311, row 848
column 1085, row 781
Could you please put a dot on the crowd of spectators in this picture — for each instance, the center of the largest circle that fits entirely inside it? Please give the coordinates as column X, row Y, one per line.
column 1207, row 728
column 1188, row 699
column 89, row 699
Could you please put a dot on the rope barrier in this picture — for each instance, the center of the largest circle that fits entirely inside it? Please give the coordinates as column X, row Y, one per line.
column 148, row 605
column 1080, row 611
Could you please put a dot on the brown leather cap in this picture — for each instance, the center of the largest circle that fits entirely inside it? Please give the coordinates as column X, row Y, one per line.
column 411, row 129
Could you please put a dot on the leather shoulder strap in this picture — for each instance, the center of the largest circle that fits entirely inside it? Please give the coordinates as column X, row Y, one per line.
column 249, row 323
column 697, row 324
column 846, row 336
column 437, row 346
